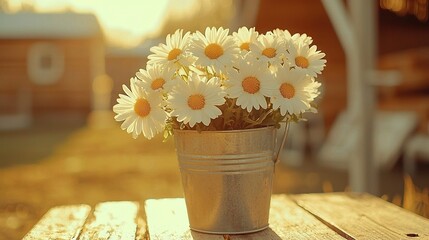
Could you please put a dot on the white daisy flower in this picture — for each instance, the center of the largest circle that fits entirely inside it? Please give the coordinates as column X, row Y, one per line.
column 297, row 39
column 283, row 34
column 155, row 78
column 313, row 89
column 141, row 112
column 289, row 39
column 244, row 37
column 307, row 59
column 277, row 32
column 285, row 39
column 294, row 91
column 294, row 39
column 269, row 48
column 250, row 84
column 195, row 101
column 216, row 48
column 174, row 52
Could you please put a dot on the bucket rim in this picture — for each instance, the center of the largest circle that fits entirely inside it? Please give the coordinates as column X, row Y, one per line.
column 225, row 131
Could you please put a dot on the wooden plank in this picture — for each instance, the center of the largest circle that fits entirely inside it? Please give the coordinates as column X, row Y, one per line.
column 167, row 219
column 112, row 220
column 289, row 221
column 63, row 222
column 364, row 216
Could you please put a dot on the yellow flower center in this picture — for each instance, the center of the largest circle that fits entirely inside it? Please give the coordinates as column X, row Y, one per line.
column 142, row 107
column 245, row 46
column 173, row 54
column 196, row 101
column 251, row 85
column 287, row 90
column 157, row 83
column 269, row 52
column 302, row 62
column 213, row 51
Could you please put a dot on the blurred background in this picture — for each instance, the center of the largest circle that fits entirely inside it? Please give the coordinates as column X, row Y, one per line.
column 62, row 64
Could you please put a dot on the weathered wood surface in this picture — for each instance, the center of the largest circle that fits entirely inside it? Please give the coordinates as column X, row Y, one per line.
column 306, row 216
column 362, row 216
column 112, row 220
column 287, row 221
column 64, row 222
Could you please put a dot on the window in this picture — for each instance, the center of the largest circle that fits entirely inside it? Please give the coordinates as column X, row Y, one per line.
column 45, row 63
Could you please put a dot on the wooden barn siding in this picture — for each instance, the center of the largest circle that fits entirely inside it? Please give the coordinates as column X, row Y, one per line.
column 71, row 93
column 407, row 32
column 12, row 73
column 408, row 53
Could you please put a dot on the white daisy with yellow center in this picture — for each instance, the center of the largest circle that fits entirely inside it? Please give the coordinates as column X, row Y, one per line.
column 307, row 59
column 294, row 91
column 269, row 49
column 155, row 78
column 139, row 111
column 216, row 48
column 196, row 101
column 244, row 37
column 173, row 54
column 250, row 84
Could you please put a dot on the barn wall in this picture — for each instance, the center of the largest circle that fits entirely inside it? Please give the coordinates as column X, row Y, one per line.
column 407, row 32
column 71, row 93
column 12, row 73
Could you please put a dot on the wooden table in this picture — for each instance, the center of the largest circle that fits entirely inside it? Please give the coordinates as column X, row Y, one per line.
column 306, row 216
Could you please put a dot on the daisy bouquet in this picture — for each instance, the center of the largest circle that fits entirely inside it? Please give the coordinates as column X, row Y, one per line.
column 220, row 81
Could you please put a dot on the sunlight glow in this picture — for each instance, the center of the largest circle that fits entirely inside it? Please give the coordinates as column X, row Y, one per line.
column 124, row 22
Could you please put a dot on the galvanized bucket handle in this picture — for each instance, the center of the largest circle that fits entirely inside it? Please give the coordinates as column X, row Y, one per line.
column 282, row 143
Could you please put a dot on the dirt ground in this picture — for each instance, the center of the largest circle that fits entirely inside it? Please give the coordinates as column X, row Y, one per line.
column 99, row 162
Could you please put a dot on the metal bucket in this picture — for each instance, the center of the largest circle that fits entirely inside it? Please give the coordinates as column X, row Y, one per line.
column 227, row 178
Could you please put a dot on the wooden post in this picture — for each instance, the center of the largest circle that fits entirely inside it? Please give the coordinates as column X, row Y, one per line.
column 357, row 34
column 363, row 13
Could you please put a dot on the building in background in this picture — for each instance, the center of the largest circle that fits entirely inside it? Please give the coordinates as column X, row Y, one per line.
column 47, row 64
